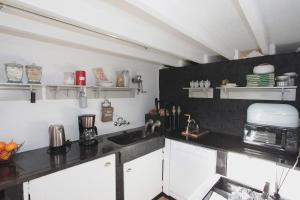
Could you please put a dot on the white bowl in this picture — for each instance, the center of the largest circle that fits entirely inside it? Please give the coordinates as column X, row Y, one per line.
column 263, row 69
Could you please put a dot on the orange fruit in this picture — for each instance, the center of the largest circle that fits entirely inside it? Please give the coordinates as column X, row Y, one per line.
column 2, row 145
column 11, row 146
column 4, row 155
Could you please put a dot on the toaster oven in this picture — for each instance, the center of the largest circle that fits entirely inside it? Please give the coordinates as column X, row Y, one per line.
column 280, row 138
column 274, row 126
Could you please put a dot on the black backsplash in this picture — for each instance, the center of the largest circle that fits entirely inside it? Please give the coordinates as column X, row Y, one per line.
column 221, row 115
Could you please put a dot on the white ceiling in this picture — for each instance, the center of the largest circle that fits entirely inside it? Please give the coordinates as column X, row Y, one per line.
column 196, row 30
column 282, row 20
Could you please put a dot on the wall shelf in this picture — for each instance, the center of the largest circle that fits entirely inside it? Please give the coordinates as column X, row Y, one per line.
column 259, row 93
column 19, row 91
column 110, row 92
column 92, row 92
column 200, row 92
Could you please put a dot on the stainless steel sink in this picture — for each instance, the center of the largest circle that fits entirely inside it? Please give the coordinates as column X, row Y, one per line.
column 128, row 137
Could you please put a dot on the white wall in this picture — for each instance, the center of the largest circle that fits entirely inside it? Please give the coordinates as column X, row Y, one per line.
column 22, row 121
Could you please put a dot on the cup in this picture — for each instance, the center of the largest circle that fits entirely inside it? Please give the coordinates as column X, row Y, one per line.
column 207, row 84
column 201, row 84
column 192, row 84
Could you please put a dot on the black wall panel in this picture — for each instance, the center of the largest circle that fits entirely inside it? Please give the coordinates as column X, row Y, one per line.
column 221, row 115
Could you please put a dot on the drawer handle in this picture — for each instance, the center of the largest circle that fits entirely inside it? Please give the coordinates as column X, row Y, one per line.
column 129, row 170
column 107, row 164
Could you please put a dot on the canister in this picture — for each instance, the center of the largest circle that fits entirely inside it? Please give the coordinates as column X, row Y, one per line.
column 80, row 77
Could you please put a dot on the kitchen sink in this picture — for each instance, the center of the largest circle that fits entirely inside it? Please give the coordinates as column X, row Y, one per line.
column 128, row 137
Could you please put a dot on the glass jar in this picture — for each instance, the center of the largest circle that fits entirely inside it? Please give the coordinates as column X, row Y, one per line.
column 120, row 79
column 14, row 72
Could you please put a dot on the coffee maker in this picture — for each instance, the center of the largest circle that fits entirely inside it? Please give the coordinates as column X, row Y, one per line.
column 87, row 129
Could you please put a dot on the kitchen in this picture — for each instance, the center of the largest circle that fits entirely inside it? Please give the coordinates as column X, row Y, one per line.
column 122, row 84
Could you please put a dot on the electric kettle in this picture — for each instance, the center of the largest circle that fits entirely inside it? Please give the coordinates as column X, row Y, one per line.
column 56, row 136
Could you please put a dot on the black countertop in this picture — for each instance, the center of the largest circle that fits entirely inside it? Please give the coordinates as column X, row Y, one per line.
column 36, row 163
column 231, row 143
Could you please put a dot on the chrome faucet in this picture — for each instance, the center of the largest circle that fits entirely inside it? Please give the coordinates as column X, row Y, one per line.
column 191, row 124
column 148, row 123
column 156, row 124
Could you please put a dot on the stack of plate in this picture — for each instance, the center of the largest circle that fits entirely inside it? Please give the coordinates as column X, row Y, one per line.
column 260, row 80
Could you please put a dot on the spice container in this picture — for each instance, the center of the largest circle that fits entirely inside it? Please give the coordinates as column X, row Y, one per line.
column 34, row 73
column 291, row 78
column 107, row 111
column 14, row 72
column 282, row 81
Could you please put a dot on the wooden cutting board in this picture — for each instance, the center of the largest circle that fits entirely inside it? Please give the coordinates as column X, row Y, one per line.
column 195, row 134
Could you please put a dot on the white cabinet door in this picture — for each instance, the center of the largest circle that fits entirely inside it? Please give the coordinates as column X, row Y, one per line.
column 255, row 172
column 251, row 171
column 93, row 180
column 143, row 177
column 190, row 167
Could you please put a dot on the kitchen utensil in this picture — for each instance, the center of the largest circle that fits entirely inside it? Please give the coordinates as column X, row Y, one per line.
column 87, row 129
column 80, row 77
column 138, row 79
column 83, row 98
column 292, row 78
column 32, row 97
column 174, row 117
column 264, row 68
column 156, row 105
column 14, row 72
column 69, row 78
column 56, row 136
column 107, row 111
column 34, row 73
column 178, row 116
column 282, row 81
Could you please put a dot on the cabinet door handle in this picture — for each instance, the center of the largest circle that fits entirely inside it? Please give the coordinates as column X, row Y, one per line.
column 107, row 164
column 128, row 170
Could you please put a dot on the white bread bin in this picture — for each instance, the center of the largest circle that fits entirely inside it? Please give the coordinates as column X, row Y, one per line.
column 272, row 114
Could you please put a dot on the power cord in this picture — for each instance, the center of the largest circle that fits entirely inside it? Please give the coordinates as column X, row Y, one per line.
column 281, row 181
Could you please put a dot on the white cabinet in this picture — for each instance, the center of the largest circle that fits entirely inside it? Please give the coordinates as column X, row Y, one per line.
column 186, row 168
column 143, row 177
column 251, row 171
column 92, row 180
column 255, row 172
